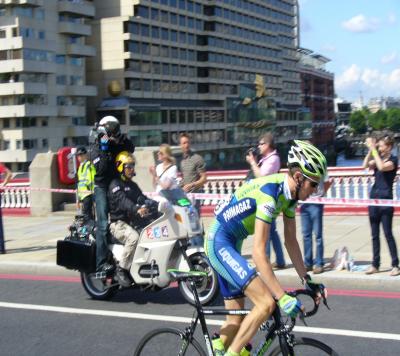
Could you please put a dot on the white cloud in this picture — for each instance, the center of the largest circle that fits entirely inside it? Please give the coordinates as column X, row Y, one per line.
column 372, row 81
column 392, row 19
column 389, row 58
column 361, row 23
column 349, row 77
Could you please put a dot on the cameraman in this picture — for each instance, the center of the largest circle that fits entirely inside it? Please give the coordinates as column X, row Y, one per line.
column 268, row 163
column 109, row 142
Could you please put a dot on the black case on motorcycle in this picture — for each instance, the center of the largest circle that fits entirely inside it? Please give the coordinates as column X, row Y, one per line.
column 78, row 255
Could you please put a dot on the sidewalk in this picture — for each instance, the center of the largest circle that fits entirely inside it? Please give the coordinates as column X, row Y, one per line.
column 31, row 248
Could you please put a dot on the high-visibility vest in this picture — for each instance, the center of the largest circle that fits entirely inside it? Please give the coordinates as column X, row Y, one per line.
column 86, row 173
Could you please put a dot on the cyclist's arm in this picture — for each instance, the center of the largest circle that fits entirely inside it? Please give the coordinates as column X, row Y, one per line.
column 263, row 265
column 292, row 245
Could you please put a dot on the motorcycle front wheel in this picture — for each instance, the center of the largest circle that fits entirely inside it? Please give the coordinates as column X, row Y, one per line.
column 97, row 288
column 207, row 288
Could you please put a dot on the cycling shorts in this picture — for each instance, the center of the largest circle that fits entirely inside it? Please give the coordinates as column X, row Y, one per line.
column 224, row 253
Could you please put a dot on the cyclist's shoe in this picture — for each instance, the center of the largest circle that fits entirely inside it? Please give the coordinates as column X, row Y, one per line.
column 217, row 345
column 231, row 353
column 122, row 276
column 290, row 305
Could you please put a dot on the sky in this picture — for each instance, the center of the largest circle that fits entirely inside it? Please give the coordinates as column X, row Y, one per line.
column 362, row 40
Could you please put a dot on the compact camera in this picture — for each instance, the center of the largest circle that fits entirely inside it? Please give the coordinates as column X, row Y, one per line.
column 255, row 151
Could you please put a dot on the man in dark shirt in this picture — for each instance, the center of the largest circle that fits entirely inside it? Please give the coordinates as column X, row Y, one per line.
column 194, row 176
column 109, row 143
column 124, row 196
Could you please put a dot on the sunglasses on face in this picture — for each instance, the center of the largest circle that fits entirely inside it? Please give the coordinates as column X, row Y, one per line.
column 130, row 166
column 313, row 183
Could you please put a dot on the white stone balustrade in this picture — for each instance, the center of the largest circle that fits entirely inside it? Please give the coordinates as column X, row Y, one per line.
column 348, row 182
column 16, row 195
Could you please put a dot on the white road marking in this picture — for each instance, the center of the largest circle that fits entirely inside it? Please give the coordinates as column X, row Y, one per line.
column 177, row 319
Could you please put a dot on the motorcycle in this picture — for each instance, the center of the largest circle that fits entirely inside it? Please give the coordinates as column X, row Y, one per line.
column 164, row 243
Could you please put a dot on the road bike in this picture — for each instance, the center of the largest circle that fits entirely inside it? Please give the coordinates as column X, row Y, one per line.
column 172, row 341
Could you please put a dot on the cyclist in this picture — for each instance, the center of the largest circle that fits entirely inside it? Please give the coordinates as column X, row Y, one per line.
column 251, row 210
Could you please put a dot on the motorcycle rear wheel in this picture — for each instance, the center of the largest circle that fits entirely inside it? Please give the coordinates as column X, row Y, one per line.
column 208, row 289
column 96, row 287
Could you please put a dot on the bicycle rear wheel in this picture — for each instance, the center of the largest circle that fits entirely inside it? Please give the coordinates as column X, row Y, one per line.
column 168, row 341
column 304, row 346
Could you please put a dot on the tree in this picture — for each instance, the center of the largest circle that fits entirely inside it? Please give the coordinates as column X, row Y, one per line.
column 378, row 121
column 393, row 119
column 358, row 121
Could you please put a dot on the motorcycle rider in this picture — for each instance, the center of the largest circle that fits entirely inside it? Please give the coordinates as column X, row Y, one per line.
column 124, row 196
column 109, row 142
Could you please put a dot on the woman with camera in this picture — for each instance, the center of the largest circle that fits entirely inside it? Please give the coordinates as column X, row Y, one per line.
column 380, row 159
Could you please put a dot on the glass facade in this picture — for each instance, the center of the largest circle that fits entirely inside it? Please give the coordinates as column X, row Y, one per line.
column 198, row 60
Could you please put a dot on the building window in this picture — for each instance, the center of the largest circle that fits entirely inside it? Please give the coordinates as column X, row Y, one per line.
column 45, row 143
column 6, row 123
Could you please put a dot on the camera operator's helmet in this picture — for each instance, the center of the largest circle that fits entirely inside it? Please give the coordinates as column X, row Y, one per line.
column 111, row 125
column 122, row 159
column 308, row 158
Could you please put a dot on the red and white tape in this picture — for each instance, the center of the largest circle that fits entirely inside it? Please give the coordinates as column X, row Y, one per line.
column 210, row 196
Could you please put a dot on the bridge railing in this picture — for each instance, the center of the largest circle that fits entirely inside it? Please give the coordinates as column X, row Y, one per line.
column 348, row 182
column 17, row 195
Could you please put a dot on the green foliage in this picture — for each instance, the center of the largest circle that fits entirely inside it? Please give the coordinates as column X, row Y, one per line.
column 362, row 120
column 378, row 121
column 393, row 119
column 358, row 121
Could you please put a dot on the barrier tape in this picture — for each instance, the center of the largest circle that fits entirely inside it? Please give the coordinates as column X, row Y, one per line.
column 211, row 196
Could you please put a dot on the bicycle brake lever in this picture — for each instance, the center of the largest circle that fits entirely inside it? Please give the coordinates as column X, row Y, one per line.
column 302, row 317
column 326, row 303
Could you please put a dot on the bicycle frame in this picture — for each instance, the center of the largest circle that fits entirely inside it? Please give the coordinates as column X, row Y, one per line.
column 276, row 328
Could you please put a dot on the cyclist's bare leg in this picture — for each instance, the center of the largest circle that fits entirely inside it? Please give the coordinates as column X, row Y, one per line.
column 231, row 326
column 264, row 305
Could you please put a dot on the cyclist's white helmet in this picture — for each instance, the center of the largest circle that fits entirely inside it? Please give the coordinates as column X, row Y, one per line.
column 308, row 158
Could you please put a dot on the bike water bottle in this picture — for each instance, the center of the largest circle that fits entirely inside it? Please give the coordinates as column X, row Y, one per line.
column 217, row 344
column 245, row 351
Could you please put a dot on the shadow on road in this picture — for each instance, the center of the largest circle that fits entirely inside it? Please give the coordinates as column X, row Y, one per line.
column 167, row 296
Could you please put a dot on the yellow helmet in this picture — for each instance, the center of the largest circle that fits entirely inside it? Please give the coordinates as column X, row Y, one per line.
column 123, row 158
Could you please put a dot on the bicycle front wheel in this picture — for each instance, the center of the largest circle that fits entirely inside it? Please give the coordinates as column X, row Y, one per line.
column 304, row 346
column 168, row 341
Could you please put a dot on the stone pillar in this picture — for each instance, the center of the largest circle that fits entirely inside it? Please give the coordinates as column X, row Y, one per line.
column 43, row 173
column 145, row 157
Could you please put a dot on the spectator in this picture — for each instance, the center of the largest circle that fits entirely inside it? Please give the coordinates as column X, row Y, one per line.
column 269, row 163
column 8, row 174
column 380, row 159
column 85, row 188
column 311, row 222
column 125, row 212
column 109, row 142
column 194, row 176
column 165, row 174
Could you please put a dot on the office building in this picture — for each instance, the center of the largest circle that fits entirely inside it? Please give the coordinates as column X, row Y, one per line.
column 43, row 88
column 318, row 95
column 191, row 66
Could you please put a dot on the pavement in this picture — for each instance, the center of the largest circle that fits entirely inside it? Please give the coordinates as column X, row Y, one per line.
column 31, row 249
